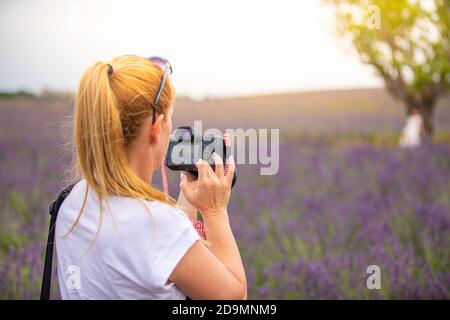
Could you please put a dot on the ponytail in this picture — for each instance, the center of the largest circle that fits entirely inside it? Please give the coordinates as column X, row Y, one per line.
column 99, row 136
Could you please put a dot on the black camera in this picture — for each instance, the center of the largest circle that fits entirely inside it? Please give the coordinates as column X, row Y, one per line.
column 186, row 147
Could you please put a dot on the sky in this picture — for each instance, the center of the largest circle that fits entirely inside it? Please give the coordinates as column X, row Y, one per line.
column 217, row 48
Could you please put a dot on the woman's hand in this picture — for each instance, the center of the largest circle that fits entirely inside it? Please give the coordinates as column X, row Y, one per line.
column 184, row 205
column 211, row 192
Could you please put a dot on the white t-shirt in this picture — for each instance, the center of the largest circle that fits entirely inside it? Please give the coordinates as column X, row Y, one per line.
column 134, row 252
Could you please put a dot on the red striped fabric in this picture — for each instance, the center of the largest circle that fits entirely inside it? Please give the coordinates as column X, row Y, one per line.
column 200, row 227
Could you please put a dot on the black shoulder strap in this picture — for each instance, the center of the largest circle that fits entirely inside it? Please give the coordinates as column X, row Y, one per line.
column 47, row 275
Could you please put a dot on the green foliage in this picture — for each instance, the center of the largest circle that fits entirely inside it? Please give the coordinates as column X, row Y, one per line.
column 17, row 203
column 406, row 41
column 16, row 94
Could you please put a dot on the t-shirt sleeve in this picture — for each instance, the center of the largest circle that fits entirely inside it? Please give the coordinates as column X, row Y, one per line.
column 174, row 236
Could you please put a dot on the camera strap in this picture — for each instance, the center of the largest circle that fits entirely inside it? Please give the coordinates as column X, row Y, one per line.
column 53, row 210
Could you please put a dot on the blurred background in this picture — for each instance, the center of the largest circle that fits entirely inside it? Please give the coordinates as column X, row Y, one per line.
column 358, row 89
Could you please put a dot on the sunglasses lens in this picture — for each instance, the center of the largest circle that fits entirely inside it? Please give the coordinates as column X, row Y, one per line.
column 161, row 62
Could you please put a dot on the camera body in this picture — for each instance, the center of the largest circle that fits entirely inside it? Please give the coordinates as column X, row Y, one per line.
column 186, row 147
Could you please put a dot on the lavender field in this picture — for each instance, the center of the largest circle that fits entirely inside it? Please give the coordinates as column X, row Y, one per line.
column 345, row 197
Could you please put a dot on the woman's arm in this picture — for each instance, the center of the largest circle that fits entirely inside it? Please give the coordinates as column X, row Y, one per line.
column 216, row 272
column 184, row 205
column 224, row 246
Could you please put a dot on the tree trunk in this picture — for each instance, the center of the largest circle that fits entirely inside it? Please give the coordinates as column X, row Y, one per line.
column 426, row 111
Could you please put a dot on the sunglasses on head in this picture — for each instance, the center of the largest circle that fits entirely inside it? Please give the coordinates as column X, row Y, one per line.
column 165, row 66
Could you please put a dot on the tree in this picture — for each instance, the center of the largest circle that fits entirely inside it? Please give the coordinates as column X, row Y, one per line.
column 408, row 44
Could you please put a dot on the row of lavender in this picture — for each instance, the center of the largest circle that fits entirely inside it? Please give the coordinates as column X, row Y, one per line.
column 331, row 212
column 308, row 232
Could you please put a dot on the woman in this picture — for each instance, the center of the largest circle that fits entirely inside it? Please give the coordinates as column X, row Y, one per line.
column 413, row 131
column 117, row 237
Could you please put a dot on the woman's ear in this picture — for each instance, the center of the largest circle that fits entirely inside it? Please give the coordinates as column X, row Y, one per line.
column 156, row 129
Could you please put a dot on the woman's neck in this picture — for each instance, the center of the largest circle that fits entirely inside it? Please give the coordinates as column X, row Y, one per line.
column 141, row 166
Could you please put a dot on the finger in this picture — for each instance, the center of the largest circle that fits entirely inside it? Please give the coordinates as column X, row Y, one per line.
column 189, row 176
column 218, row 165
column 190, row 180
column 202, row 170
column 231, row 165
column 210, row 174
column 186, row 188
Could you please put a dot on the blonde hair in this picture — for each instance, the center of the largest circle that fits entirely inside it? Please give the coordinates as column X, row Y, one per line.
column 112, row 102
